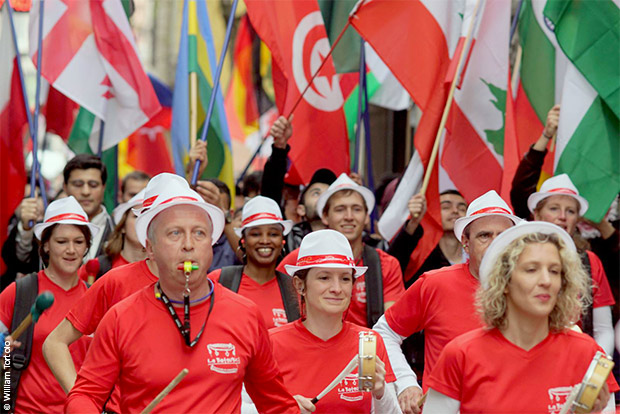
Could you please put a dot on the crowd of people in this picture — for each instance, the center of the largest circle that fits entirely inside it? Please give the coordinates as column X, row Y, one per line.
column 264, row 305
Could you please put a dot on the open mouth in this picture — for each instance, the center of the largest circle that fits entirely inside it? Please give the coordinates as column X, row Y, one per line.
column 264, row 251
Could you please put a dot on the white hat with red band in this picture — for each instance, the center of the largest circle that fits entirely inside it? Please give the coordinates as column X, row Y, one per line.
column 558, row 185
column 168, row 190
column 488, row 204
column 64, row 211
column 344, row 182
column 121, row 209
column 325, row 248
column 262, row 210
column 501, row 242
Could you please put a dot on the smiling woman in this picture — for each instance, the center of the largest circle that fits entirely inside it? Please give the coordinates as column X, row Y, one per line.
column 533, row 290
column 64, row 238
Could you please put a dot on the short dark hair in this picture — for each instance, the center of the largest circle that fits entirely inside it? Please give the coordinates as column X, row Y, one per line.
column 46, row 235
column 453, row 192
column 221, row 185
column 134, row 175
column 85, row 162
column 252, row 183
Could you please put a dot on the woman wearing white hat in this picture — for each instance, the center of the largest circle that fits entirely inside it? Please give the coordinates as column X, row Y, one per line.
column 262, row 239
column 526, row 359
column 123, row 246
column 311, row 352
column 64, row 238
column 559, row 202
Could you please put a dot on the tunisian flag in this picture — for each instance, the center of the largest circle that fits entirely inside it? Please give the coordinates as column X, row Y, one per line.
column 13, row 123
column 295, row 33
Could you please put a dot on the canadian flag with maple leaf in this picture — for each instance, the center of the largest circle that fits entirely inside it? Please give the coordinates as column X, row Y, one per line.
column 90, row 55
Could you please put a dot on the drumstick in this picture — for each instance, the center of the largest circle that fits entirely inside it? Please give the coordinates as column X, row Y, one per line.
column 165, row 391
column 346, row 371
column 422, row 400
column 41, row 303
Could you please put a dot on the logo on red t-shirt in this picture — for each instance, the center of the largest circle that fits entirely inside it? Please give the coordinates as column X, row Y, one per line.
column 359, row 292
column 348, row 389
column 223, row 358
column 279, row 317
column 558, row 396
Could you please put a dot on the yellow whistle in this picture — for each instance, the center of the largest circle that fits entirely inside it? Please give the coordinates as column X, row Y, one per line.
column 188, row 266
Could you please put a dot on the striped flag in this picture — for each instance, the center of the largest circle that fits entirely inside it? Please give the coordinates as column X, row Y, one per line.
column 90, row 55
column 197, row 54
column 588, row 138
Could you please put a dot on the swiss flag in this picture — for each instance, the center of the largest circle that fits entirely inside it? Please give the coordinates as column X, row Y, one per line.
column 13, row 126
column 295, row 33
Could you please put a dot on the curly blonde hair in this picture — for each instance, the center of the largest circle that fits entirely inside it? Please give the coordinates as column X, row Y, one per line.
column 573, row 298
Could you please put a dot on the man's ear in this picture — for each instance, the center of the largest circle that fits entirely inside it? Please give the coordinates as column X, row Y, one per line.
column 300, row 210
column 465, row 243
column 149, row 250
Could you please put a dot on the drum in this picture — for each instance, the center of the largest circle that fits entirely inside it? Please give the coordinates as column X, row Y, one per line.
column 367, row 360
column 584, row 395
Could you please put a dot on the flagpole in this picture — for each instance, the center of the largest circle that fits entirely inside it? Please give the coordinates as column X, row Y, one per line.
column 216, row 84
column 192, row 30
column 515, row 19
column 247, row 167
column 360, row 110
column 446, row 110
column 37, row 108
column 100, row 144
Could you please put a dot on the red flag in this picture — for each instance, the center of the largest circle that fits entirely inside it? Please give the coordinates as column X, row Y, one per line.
column 512, row 156
column 13, row 121
column 295, row 33
column 60, row 113
column 147, row 148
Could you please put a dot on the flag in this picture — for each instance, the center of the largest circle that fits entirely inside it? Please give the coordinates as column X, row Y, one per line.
column 295, row 33
column 13, row 121
column 147, row 149
column 89, row 54
column 588, row 137
column 424, row 61
column 60, row 113
column 512, row 156
column 197, row 53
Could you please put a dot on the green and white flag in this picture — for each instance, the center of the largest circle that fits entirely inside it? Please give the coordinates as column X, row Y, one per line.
column 588, row 139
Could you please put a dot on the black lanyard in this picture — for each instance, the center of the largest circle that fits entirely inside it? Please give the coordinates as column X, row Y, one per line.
column 184, row 328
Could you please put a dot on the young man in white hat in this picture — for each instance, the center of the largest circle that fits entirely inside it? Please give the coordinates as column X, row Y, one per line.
column 559, row 202
column 442, row 302
column 345, row 207
column 183, row 321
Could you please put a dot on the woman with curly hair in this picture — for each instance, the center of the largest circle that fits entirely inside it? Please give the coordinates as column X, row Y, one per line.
column 526, row 359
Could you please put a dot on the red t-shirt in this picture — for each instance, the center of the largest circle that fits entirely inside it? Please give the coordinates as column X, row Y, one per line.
column 393, row 287
column 601, row 292
column 266, row 296
column 38, row 389
column 118, row 261
column 442, row 303
column 489, row 374
column 108, row 290
column 308, row 364
column 145, row 353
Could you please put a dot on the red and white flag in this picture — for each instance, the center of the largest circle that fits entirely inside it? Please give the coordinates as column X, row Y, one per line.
column 418, row 40
column 295, row 33
column 13, row 126
column 89, row 54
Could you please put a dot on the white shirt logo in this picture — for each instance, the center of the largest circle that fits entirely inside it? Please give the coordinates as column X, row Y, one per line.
column 223, row 358
column 279, row 317
column 348, row 389
column 324, row 95
column 360, row 292
column 557, row 398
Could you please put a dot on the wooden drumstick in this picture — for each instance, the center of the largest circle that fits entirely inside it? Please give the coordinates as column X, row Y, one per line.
column 165, row 391
column 41, row 303
column 346, row 371
column 422, row 400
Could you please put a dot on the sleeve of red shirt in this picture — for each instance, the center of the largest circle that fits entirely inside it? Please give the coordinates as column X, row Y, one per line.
column 89, row 310
column 393, row 286
column 100, row 370
column 263, row 381
column 383, row 356
column 406, row 316
column 7, row 302
column 215, row 275
column 448, row 371
column 601, row 292
column 289, row 259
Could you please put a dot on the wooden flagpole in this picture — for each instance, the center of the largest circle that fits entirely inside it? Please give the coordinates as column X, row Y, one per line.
column 446, row 110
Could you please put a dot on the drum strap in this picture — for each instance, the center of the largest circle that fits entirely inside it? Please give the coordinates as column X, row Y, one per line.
column 374, row 285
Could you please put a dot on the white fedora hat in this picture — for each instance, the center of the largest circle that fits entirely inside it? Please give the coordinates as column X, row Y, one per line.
column 344, row 182
column 501, row 242
column 262, row 210
column 558, row 185
column 488, row 204
column 168, row 190
column 325, row 248
column 64, row 211
column 121, row 209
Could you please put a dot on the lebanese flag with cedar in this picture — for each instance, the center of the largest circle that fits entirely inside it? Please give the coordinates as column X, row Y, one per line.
column 417, row 40
column 13, row 126
column 295, row 33
column 89, row 54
